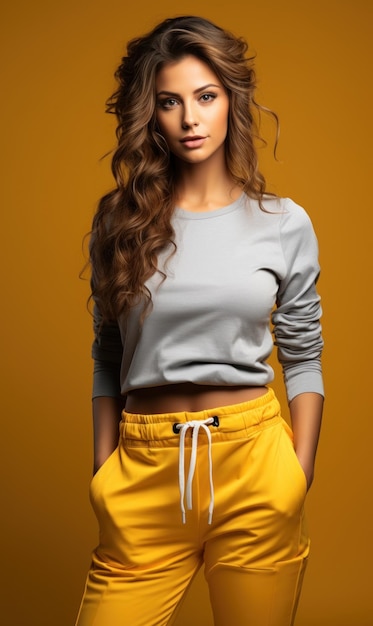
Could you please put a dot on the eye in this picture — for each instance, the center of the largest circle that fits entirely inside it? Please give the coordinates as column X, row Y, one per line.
column 208, row 97
column 167, row 103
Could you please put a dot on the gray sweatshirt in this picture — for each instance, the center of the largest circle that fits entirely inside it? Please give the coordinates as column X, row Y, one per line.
column 242, row 280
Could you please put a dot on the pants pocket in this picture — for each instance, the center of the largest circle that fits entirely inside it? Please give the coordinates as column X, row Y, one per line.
column 293, row 459
column 102, row 471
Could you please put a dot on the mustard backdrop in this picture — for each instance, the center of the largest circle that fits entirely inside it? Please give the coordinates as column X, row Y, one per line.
column 314, row 65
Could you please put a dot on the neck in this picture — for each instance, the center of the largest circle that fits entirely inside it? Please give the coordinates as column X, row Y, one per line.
column 205, row 186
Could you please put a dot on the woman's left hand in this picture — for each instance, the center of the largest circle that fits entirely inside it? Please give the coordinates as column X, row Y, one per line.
column 306, row 413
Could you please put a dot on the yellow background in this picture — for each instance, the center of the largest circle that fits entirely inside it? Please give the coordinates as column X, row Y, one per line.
column 315, row 69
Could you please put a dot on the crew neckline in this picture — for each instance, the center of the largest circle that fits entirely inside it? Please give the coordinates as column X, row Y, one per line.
column 204, row 215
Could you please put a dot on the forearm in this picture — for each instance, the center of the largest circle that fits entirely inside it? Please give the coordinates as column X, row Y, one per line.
column 106, row 418
column 306, row 415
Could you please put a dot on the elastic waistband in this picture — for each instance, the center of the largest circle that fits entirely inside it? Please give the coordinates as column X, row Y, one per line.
column 232, row 419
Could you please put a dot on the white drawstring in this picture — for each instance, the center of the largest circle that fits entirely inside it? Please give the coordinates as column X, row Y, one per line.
column 183, row 428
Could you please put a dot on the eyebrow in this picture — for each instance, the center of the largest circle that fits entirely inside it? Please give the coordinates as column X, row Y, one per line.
column 177, row 95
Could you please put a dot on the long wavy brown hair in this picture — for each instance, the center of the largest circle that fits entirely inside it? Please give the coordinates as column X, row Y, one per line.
column 132, row 223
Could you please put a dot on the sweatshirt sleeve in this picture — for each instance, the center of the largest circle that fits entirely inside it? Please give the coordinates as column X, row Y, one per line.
column 296, row 319
column 107, row 354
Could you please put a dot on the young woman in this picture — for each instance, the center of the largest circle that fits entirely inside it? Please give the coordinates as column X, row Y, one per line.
column 191, row 261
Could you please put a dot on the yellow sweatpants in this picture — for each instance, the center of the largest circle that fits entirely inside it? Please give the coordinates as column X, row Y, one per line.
column 244, row 521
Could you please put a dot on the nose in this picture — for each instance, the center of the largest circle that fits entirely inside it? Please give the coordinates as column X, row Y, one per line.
column 189, row 117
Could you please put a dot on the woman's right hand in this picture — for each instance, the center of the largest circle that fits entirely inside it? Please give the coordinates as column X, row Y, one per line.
column 106, row 419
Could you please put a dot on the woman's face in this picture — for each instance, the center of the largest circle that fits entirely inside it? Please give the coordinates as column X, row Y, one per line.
column 192, row 110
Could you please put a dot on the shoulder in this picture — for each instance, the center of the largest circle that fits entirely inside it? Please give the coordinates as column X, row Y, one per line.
column 292, row 217
column 295, row 222
column 287, row 214
column 285, row 207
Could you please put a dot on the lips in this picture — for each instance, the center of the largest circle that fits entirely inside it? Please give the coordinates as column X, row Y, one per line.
column 193, row 141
